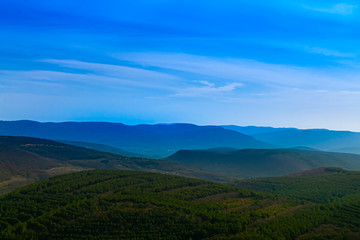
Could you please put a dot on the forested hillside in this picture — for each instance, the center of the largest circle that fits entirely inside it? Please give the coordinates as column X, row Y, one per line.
column 320, row 185
column 336, row 189
column 117, row 204
column 249, row 163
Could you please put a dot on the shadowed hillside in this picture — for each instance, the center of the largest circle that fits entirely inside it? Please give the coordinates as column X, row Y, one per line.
column 24, row 160
column 264, row 162
column 102, row 148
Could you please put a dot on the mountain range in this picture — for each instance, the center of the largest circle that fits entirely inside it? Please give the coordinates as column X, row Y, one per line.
column 322, row 139
column 162, row 140
column 158, row 140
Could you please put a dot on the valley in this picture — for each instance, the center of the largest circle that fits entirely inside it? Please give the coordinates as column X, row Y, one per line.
column 69, row 190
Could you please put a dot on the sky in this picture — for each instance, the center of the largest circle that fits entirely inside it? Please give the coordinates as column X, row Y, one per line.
column 207, row 62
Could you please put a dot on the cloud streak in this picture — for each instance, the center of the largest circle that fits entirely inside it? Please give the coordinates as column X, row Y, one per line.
column 94, row 74
column 341, row 9
column 329, row 52
column 82, row 80
column 246, row 71
column 208, row 90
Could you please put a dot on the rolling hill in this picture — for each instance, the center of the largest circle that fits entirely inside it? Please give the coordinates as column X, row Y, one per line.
column 249, row 163
column 102, row 148
column 117, row 204
column 24, row 160
column 150, row 140
column 321, row 185
column 323, row 139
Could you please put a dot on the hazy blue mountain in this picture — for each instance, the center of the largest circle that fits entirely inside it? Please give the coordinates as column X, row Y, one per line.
column 248, row 163
column 160, row 139
column 323, row 139
column 254, row 130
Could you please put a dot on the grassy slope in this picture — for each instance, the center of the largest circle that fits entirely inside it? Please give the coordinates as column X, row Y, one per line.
column 264, row 162
column 113, row 204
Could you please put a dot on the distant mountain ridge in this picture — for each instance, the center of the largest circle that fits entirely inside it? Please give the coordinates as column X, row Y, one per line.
column 150, row 140
column 322, row 139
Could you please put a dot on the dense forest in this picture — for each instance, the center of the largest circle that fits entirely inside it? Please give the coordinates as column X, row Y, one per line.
column 119, row 204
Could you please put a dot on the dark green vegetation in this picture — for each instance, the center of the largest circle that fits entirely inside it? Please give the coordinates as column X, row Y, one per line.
column 321, row 185
column 264, row 162
column 333, row 188
column 150, row 140
column 24, row 160
column 117, row 204
column 323, row 139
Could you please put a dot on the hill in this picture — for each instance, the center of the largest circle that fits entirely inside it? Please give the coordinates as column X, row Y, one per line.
column 102, row 148
column 337, row 189
column 24, row 160
column 323, row 139
column 113, row 204
column 19, row 167
column 320, row 185
column 150, row 140
column 249, row 163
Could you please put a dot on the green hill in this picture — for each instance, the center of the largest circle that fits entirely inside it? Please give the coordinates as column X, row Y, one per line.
column 249, row 163
column 335, row 188
column 117, row 204
column 24, row 160
column 317, row 185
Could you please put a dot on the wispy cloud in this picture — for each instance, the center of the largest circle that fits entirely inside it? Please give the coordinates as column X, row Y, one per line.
column 85, row 80
column 94, row 74
column 111, row 70
column 246, row 71
column 329, row 52
column 341, row 8
column 209, row 89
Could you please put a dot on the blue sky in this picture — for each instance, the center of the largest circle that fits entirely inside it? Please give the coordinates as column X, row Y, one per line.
column 268, row 63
